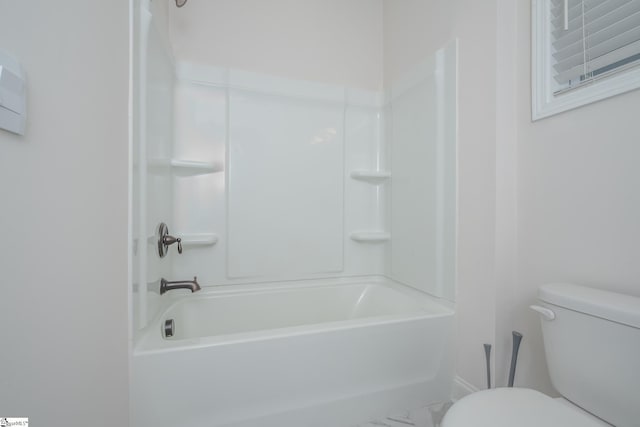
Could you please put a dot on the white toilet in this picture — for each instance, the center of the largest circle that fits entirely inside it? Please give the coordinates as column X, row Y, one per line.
column 592, row 345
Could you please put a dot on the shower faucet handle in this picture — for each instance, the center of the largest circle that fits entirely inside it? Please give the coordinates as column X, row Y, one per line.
column 165, row 240
column 170, row 240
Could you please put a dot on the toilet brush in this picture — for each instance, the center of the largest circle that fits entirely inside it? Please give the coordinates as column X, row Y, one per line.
column 487, row 356
column 517, row 337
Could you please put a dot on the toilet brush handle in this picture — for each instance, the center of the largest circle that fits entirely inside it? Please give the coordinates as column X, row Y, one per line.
column 517, row 338
column 487, row 356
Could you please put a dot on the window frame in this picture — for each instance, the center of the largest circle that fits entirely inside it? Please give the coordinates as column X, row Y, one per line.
column 543, row 101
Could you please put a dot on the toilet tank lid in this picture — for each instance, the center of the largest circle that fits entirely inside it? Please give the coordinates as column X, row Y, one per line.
column 608, row 305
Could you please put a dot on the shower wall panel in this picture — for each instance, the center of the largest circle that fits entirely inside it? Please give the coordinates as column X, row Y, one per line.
column 422, row 131
column 154, row 77
column 279, row 202
column 285, row 186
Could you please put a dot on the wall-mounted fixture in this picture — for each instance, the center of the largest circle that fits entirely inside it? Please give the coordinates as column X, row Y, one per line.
column 166, row 285
column 169, row 327
column 13, row 95
column 165, row 240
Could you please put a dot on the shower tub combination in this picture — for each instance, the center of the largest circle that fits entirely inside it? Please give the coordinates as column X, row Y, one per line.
column 312, row 353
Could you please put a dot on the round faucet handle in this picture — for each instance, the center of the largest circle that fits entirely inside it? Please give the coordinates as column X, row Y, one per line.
column 165, row 240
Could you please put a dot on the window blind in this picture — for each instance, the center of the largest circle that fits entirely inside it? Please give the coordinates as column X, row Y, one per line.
column 592, row 39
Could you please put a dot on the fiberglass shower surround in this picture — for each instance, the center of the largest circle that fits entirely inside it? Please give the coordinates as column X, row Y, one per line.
column 308, row 212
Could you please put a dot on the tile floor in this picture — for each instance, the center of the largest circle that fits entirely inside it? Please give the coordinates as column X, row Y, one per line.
column 430, row 416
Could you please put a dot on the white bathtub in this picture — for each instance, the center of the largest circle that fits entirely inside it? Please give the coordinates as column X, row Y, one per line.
column 330, row 354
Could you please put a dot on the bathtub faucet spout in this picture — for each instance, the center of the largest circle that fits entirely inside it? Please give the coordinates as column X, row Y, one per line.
column 166, row 285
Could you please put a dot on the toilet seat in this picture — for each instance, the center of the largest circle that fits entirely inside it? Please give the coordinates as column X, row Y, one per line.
column 515, row 407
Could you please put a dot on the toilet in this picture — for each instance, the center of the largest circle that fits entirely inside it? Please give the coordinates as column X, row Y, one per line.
column 592, row 346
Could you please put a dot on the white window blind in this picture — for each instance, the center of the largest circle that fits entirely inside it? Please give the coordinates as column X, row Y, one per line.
column 593, row 38
column 583, row 51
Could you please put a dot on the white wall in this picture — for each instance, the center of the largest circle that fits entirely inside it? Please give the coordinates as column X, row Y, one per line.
column 63, row 261
column 331, row 41
column 414, row 30
column 554, row 200
column 578, row 201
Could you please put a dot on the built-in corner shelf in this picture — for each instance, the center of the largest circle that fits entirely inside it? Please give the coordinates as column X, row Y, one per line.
column 190, row 240
column 185, row 167
column 374, row 177
column 370, row 236
column 198, row 239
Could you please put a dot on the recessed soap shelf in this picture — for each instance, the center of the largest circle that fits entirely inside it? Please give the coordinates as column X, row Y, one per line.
column 186, row 167
column 370, row 236
column 374, row 177
column 189, row 240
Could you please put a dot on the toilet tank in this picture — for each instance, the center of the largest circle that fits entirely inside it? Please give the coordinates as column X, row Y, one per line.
column 593, row 350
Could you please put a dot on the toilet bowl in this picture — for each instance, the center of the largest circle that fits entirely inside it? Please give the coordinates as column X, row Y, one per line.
column 592, row 347
column 517, row 407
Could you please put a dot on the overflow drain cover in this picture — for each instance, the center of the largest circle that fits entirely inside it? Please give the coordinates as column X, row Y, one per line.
column 168, row 328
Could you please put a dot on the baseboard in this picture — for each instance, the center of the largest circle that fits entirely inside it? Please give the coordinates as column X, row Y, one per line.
column 461, row 388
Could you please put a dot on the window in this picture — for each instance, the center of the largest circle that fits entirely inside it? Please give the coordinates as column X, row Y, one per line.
column 583, row 51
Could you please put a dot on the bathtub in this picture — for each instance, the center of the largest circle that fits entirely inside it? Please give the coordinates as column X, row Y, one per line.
column 323, row 353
